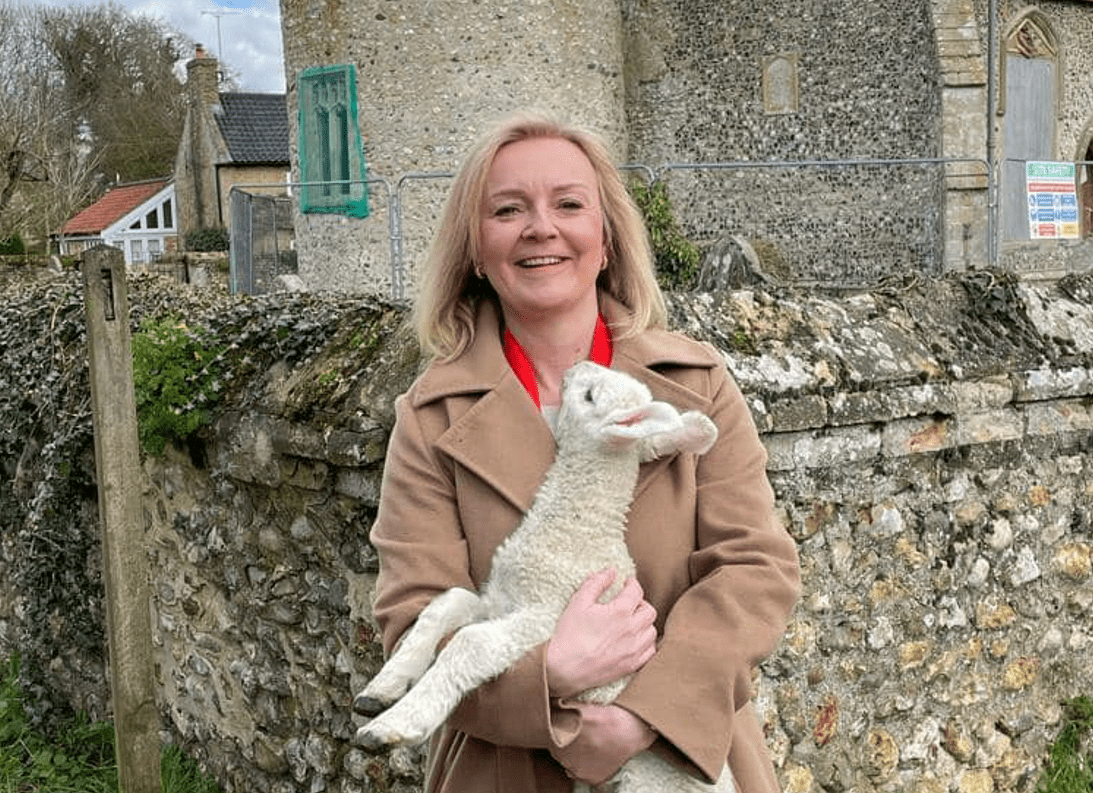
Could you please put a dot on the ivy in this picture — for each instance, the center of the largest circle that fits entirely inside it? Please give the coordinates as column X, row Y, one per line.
column 47, row 506
column 208, row 240
column 998, row 318
column 676, row 258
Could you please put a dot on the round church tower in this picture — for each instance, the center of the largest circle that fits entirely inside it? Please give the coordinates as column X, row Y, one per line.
column 423, row 79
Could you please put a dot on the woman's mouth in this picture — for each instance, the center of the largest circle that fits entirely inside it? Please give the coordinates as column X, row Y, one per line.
column 539, row 261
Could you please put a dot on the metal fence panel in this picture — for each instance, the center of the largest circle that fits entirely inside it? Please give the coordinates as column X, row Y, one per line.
column 241, row 280
column 261, row 241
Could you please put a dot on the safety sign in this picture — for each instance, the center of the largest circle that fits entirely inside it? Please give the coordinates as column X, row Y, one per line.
column 1052, row 201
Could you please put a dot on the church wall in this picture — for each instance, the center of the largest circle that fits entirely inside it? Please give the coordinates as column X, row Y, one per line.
column 676, row 83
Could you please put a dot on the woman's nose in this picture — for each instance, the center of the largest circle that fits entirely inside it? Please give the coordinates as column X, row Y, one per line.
column 539, row 225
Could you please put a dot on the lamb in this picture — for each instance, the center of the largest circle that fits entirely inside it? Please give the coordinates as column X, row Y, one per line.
column 607, row 424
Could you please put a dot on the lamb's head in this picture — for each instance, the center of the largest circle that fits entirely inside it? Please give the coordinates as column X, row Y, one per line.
column 604, row 409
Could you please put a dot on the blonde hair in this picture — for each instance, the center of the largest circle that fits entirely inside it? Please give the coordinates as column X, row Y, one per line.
column 444, row 313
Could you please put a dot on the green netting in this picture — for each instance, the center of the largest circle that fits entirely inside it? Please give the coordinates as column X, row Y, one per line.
column 332, row 165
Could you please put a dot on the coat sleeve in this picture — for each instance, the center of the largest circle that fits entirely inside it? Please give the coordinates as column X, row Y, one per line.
column 423, row 551
column 744, row 583
column 417, row 533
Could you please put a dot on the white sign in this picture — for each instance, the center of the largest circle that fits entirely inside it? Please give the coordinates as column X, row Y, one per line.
column 1052, row 202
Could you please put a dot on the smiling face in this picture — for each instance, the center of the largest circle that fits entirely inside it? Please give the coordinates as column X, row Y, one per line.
column 541, row 240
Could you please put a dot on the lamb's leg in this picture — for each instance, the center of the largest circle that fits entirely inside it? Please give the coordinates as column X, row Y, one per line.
column 696, row 434
column 477, row 653
column 447, row 612
column 649, row 773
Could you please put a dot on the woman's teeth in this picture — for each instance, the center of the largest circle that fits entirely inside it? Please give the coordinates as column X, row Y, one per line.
column 539, row 261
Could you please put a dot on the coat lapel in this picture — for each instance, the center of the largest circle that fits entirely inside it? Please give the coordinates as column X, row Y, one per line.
column 495, row 430
column 502, row 439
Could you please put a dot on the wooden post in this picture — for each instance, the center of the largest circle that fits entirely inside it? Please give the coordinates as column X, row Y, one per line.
column 125, row 563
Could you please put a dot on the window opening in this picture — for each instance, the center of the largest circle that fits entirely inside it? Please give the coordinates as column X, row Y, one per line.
column 330, row 149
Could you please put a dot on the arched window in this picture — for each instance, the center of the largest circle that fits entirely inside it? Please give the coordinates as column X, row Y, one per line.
column 1030, row 95
column 330, row 147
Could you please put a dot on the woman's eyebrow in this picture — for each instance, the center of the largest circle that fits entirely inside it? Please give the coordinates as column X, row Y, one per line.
column 506, row 192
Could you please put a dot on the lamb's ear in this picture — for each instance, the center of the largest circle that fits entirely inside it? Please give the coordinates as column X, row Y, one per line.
column 648, row 421
column 695, row 433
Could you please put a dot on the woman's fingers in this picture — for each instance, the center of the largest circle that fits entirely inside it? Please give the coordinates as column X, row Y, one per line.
column 596, row 643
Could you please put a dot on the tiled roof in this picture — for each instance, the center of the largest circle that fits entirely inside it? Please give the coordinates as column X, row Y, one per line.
column 117, row 202
column 255, row 127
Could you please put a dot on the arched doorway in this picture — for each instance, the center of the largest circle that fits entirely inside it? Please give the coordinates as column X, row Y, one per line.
column 1085, row 186
column 1030, row 91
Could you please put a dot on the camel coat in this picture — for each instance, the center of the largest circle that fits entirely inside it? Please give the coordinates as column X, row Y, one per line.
column 467, row 454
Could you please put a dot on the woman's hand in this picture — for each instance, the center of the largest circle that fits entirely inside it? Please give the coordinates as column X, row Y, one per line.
column 609, row 736
column 596, row 643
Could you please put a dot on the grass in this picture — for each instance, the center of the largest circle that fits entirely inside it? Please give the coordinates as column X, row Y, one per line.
column 1069, row 766
column 79, row 758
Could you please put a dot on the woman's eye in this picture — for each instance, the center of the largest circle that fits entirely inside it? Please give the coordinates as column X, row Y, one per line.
column 504, row 211
column 571, row 203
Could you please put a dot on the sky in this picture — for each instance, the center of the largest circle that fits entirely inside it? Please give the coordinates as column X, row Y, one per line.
column 249, row 33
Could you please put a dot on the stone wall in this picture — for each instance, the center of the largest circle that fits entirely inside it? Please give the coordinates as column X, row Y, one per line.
column 929, row 447
column 711, row 99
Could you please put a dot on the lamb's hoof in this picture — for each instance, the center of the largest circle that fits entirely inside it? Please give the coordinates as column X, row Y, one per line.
column 379, row 737
column 368, row 705
column 370, row 741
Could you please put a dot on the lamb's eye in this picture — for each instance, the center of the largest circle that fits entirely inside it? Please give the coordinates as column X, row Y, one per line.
column 588, row 395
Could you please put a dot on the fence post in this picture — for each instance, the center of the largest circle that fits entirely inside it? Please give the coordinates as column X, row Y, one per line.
column 125, row 563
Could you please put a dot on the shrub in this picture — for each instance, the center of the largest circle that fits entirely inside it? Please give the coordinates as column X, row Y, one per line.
column 207, row 240
column 174, row 380
column 12, row 245
column 676, row 258
column 79, row 757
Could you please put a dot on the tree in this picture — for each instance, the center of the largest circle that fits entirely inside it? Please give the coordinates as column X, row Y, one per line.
column 120, row 79
column 90, row 95
column 35, row 120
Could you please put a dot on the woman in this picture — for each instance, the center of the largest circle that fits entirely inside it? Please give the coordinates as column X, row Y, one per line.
column 542, row 260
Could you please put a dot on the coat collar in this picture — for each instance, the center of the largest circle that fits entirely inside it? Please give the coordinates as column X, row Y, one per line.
column 482, row 366
column 499, row 434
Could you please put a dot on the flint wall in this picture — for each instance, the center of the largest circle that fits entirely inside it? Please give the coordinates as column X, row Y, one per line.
column 929, row 446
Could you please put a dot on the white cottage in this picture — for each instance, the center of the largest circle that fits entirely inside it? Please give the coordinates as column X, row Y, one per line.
column 138, row 218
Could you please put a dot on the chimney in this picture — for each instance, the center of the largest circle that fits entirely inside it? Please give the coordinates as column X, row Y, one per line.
column 202, row 80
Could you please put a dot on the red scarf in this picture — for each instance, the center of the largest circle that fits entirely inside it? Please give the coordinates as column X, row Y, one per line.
column 518, row 359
